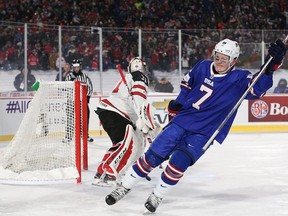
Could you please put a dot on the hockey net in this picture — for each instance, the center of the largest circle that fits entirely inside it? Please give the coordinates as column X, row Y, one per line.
column 51, row 142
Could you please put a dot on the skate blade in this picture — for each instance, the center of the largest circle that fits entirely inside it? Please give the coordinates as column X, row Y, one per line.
column 98, row 182
column 147, row 212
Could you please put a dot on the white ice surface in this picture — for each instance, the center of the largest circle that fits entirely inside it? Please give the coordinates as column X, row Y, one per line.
column 246, row 175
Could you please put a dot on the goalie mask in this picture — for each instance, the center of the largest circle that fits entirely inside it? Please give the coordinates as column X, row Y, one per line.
column 229, row 48
column 137, row 64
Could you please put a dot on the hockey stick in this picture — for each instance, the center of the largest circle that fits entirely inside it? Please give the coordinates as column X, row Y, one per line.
column 136, row 109
column 125, row 82
column 128, row 89
column 239, row 101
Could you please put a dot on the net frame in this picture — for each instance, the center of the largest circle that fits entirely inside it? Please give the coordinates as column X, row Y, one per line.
column 38, row 113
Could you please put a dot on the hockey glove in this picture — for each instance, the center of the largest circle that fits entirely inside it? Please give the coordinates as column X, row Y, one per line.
column 276, row 50
column 146, row 120
column 140, row 124
column 173, row 108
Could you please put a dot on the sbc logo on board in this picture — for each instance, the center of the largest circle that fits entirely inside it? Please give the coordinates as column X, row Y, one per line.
column 259, row 109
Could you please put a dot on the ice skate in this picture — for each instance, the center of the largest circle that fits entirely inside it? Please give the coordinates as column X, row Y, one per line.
column 105, row 180
column 116, row 195
column 152, row 202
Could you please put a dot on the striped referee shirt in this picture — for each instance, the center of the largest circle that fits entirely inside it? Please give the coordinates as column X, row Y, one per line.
column 82, row 77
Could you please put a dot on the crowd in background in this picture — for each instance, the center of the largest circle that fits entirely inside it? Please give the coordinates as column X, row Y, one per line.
column 192, row 14
column 159, row 19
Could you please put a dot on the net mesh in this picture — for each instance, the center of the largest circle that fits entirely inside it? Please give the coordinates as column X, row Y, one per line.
column 44, row 146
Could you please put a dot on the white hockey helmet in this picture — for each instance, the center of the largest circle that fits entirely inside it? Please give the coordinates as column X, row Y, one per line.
column 229, row 48
column 76, row 63
column 137, row 64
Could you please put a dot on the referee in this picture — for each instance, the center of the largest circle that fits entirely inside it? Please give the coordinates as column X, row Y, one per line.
column 78, row 75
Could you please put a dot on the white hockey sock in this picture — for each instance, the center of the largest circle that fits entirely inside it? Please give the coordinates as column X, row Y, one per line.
column 161, row 188
column 131, row 178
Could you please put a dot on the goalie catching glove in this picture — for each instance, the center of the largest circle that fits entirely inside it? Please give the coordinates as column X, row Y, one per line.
column 146, row 122
column 276, row 50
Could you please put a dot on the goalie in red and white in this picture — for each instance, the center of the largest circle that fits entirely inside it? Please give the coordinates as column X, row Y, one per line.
column 125, row 116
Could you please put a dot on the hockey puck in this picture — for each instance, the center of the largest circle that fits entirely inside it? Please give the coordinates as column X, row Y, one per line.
column 148, row 178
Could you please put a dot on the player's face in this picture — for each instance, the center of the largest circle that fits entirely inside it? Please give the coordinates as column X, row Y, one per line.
column 221, row 62
column 67, row 67
column 76, row 69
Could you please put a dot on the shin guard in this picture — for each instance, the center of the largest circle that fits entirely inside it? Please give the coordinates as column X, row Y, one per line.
column 127, row 153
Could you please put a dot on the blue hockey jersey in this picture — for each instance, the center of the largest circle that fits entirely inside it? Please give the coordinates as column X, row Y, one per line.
column 207, row 98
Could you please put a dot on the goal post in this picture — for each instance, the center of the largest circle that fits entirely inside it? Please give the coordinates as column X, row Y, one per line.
column 50, row 144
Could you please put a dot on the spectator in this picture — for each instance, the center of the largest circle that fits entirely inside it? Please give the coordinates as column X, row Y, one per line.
column 19, row 82
column 87, row 53
column 80, row 44
column 3, row 57
column 281, row 86
column 33, row 60
column 19, row 54
column 57, row 63
column 94, row 63
column 163, row 85
column 52, row 59
column 185, row 62
column 10, row 52
column 65, row 71
column 106, row 62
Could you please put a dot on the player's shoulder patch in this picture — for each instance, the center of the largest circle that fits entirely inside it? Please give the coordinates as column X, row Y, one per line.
column 250, row 76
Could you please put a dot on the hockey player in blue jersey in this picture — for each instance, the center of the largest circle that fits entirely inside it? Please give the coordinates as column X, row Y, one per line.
column 208, row 93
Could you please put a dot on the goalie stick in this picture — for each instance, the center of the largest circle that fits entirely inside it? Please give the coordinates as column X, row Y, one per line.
column 239, row 101
column 126, row 84
column 136, row 109
column 134, row 104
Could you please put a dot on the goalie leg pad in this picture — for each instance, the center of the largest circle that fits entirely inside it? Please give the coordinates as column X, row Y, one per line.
column 106, row 156
column 128, row 151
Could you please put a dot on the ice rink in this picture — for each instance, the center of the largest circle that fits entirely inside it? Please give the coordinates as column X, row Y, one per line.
column 246, row 175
